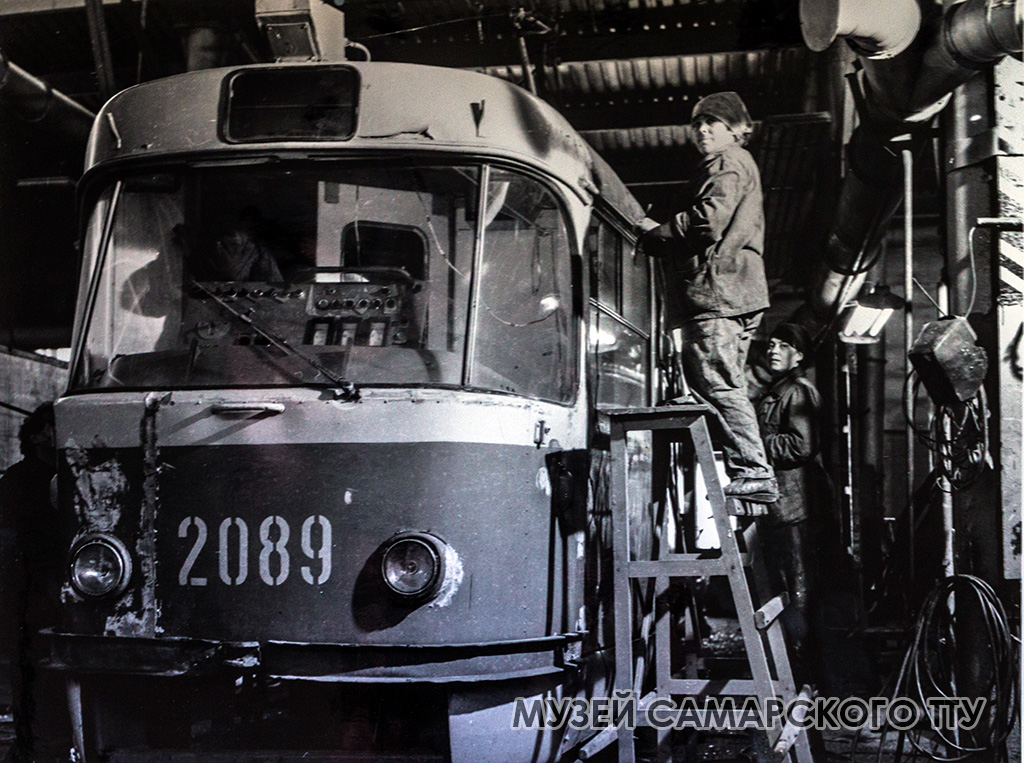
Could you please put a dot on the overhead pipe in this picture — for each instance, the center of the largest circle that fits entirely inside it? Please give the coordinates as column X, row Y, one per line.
column 35, row 101
column 857, row 22
column 912, row 57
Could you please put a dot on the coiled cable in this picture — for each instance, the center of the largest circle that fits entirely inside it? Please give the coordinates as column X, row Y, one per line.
column 934, row 667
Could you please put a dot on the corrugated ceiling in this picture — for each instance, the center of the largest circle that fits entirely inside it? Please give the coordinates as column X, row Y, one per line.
column 624, row 72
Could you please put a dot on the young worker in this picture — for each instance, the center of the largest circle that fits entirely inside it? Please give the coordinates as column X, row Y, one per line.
column 715, row 286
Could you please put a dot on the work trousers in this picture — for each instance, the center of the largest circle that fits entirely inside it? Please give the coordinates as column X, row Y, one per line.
column 791, row 560
column 713, row 352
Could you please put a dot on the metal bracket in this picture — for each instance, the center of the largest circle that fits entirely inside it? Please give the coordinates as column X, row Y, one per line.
column 974, row 150
column 539, row 431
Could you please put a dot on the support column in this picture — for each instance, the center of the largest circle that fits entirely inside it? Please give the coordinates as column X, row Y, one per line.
column 1009, row 100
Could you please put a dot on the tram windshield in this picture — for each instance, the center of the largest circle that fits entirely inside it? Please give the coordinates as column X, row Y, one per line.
column 264, row 276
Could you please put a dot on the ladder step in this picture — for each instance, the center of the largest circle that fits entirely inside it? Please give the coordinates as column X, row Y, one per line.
column 791, row 732
column 770, row 612
column 733, row 687
column 679, row 566
column 597, row 743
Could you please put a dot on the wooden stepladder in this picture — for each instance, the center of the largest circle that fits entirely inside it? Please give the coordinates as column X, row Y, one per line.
column 650, row 675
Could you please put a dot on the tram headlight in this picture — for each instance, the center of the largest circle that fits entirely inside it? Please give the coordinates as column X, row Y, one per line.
column 413, row 566
column 100, row 566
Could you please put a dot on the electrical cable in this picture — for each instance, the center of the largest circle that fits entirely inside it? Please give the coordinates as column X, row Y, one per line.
column 931, row 662
column 959, row 436
column 430, row 26
column 929, row 671
column 931, row 299
column 15, row 409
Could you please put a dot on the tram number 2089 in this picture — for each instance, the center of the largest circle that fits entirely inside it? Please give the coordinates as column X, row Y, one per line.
column 274, row 559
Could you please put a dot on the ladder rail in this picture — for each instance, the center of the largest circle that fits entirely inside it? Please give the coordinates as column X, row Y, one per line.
column 763, row 638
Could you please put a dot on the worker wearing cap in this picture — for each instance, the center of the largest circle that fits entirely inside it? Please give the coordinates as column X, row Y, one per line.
column 715, row 285
column 789, row 416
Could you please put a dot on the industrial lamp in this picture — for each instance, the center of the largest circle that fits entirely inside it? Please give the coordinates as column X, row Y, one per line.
column 866, row 316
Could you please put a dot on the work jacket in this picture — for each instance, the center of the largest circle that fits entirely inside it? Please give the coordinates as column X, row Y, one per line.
column 712, row 250
column 789, row 416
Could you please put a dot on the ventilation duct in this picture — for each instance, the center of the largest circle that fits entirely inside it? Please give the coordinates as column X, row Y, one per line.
column 911, row 61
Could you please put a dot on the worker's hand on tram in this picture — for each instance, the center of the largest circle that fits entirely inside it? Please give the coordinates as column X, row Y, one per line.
column 654, row 239
column 645, row 225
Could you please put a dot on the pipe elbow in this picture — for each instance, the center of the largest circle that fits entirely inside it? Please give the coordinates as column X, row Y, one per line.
column 875, row 28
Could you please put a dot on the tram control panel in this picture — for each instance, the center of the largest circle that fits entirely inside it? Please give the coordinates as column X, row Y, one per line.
column 373, row 311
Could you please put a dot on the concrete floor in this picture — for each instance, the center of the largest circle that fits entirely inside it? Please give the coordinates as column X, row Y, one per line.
column 846, row 652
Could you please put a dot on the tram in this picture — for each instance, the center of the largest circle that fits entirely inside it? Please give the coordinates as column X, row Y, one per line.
column 332, row 458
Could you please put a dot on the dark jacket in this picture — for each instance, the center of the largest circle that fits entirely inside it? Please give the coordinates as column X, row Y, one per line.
column 712, row 250
column 31, row 552
column 789, row 417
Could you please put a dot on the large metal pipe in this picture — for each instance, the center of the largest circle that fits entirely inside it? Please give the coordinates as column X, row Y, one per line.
column 902, row 85
column 868, row 198
column 35, row 101
column 908, row 336
column 822, row 21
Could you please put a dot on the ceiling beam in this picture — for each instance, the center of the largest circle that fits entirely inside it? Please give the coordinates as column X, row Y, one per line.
column 23, row 7
column 678, row 30
column 100, row 42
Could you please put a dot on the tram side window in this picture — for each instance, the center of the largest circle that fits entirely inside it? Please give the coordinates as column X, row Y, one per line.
column 619, row 317
column 608, row 266
column 620, row 277
column 636, row 288
column 621, row 362
column 525, row 341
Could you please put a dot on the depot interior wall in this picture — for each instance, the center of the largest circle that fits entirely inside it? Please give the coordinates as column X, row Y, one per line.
column 29, row 380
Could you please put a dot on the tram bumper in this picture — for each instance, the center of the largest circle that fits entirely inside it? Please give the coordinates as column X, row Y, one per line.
column 340, row 663
column 182, row 699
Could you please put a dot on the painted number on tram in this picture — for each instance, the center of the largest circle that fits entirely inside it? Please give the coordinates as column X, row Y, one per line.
column 271, row 544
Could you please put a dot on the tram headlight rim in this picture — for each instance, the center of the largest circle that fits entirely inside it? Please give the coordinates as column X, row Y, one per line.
column 436, row 551
column 119, row 553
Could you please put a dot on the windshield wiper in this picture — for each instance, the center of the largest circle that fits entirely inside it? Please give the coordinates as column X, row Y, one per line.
column 344, row 389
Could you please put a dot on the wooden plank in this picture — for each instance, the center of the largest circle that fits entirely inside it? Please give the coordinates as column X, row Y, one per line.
column 731, row 687
column 677, row 568
column 792, row 732
column 770, row 612
column 755, row 645
column 623, row 606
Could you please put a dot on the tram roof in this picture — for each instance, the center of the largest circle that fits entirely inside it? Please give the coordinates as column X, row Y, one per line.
column 401, row 107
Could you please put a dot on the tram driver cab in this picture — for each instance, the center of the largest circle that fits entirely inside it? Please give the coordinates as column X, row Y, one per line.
column 365, row 272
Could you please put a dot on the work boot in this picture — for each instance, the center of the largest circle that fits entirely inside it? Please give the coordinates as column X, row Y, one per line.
column 754, row 489
column 686, row 399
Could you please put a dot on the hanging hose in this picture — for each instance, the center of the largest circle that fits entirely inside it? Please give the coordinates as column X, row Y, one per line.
column 930, row 665
column 958, row 435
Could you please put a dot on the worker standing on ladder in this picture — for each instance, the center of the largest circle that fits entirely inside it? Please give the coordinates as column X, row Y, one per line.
column 715, row 285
